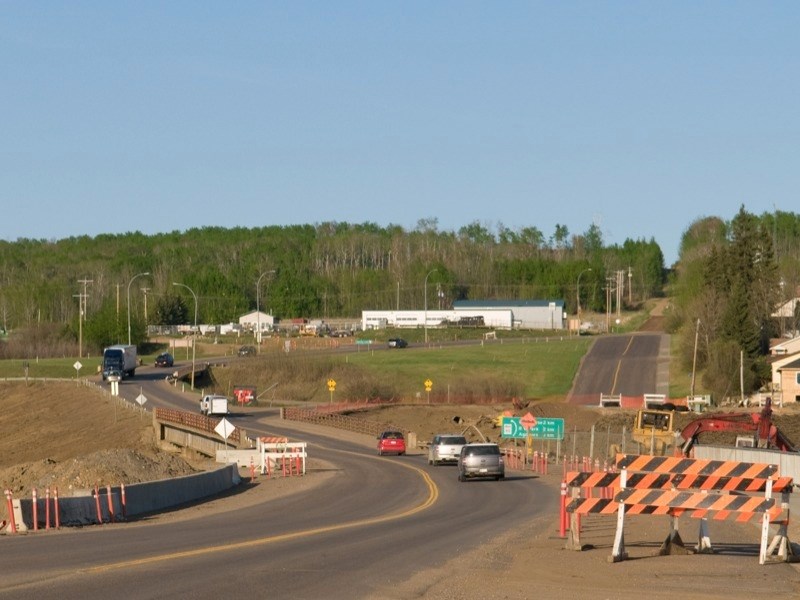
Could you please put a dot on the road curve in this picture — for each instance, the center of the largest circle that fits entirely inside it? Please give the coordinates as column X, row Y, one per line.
column 373, row 525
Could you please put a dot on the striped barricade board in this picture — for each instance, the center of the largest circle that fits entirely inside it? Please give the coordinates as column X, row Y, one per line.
column 681, row 486
column 681, row 481
column 695, row 466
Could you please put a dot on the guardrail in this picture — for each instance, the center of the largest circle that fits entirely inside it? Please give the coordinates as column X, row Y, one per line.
column 345, row 422
column 195, row 421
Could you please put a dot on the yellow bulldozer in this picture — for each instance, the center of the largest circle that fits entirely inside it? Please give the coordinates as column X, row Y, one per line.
column 653, row 431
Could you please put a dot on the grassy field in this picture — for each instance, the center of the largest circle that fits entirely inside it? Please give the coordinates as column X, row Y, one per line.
column 518, row 364
column 530, row 368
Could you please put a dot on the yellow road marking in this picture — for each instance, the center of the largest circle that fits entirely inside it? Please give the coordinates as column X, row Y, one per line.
column 619, row 364
column 433, row 495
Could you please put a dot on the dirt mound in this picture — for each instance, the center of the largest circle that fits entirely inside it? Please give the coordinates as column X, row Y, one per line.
column 105, row 467
column 73, row 437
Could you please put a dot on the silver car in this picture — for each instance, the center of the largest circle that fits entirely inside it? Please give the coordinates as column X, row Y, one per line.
column 445, row 448
column 481, row 460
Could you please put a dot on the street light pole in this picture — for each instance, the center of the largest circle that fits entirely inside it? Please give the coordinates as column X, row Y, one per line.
column 258, row 310
column 194, row 338
column 129, row 303
column 425, row 292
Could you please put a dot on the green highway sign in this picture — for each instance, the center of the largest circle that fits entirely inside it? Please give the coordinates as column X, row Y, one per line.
column 544, row 429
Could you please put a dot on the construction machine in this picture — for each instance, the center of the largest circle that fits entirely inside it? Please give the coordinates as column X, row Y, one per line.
column 758, row 429
column 654, row 430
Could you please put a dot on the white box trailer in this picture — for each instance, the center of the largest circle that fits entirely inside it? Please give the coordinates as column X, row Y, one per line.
column 214, row 405
column 120, row 361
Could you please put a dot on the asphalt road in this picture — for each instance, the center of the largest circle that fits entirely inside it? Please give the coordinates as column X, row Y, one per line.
column 631, row 365
column 373, row 525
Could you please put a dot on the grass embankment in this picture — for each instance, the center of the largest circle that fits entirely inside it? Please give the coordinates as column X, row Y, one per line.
column 516, row 366
column 476, row 373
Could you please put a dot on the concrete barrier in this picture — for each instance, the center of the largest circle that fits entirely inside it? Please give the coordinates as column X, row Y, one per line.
column 140, row 498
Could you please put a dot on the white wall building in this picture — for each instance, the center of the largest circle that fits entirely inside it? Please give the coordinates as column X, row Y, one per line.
column 253, row 319
column 527, row 314
column 379, row 319
column 496, row 314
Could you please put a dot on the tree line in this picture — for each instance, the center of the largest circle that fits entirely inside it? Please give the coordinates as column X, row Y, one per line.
column 325, row 270
column 730, row 280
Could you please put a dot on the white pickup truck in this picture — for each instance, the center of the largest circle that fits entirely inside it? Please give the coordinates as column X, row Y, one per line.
column 214, row 405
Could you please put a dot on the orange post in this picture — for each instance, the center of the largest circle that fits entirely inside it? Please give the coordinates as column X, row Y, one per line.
column 58, row 516
column 35, row 510
column 110, row 503
column 97, row 505
column 11, row 522
column 47, row 508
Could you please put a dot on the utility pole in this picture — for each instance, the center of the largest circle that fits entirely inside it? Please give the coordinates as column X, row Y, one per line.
column 694, row 358
column 82, row 313
column 144, row 291
column 117, row 286
column 630, row 287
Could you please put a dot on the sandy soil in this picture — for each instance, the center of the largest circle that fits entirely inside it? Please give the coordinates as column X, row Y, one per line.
column 76, row 438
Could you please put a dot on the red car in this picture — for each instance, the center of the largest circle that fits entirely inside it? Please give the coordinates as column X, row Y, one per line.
column 391, row 442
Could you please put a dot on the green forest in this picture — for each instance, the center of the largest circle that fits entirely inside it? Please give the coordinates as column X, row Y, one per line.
column 324, row 271
column 730, row 278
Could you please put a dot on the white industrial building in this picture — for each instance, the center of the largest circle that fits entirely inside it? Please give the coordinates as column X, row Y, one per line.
column 527, row 314
column 251, row 321
column 496, row 314
column 379, row 319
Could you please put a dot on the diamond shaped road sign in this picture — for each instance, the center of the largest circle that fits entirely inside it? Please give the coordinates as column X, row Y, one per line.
column 224, row 428
column 528, row 421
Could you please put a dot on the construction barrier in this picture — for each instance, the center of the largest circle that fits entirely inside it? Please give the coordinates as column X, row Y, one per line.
column 676, row 486
column 279, row 454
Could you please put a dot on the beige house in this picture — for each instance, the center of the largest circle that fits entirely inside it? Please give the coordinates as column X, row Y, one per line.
column 785, row 347
column 776, row 364
column 790, row 381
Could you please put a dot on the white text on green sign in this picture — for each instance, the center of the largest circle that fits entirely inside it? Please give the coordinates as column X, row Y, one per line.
column 545, row 429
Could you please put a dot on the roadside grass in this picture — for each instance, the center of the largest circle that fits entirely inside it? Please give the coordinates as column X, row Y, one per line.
column 680, row 379
column 516, row 366
column 525, row 368
column 536, row 368
column 61, row 368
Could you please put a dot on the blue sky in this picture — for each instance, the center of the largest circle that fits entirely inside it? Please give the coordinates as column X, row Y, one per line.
column 640, row 117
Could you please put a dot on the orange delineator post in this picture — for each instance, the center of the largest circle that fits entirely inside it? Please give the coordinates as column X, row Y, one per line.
column 35, row 510
column 12, row 525
column 97, row 505
column 47, row 508
column 58, row 516
column 110, row 504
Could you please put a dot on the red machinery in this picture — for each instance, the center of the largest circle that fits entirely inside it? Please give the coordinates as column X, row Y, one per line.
column 768, row 435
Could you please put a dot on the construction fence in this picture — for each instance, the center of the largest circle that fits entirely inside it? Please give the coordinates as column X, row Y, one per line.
column 601, row 443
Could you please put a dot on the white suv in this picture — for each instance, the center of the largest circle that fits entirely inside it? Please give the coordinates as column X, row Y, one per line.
column 445, row 447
